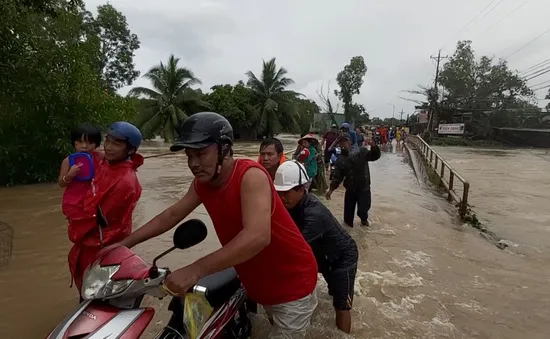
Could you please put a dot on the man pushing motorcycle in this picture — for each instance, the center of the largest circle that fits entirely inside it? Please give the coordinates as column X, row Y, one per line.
column 259, row 238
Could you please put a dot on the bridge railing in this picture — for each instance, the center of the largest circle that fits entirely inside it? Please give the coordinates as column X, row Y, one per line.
column 446, row 173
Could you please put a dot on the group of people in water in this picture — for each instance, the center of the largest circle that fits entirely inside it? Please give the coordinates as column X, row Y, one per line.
column 274, row 232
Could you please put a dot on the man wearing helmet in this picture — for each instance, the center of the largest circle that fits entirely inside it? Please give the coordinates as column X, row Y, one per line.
column 258, row 236
column 106, row 217
column 334, row 249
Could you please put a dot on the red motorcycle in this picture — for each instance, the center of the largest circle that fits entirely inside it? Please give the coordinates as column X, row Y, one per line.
column 114, row 286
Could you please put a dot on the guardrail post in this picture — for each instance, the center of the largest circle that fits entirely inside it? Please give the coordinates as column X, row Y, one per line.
column 464, row 204
column 451, row 184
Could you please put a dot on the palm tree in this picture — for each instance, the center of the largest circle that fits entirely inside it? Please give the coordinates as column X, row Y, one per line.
column 275, row 104
column 171, row 100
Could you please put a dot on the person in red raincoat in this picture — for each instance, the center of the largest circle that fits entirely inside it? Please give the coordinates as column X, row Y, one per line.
column 109, row 202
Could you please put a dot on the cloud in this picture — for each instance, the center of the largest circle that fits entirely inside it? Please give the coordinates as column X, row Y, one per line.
column 220, row 40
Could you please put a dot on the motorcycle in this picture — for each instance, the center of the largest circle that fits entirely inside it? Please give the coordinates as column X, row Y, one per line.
column 335, row 153
column 114, row 286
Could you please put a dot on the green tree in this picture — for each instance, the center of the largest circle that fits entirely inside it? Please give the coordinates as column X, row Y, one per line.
column 49, row 84
column 350, row 80
column 171, row 100
column 483, row 86
column 275, row 104
column 306, row 110
column 235, row 103
column 117, row 46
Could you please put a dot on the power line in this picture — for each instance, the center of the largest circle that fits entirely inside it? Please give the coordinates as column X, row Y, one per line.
column 527, row 44
column 541, row 83
column 537, row 74
column 505, row 17
column 538, row 89
column 542, row 63
column 492, row 9
column 471, row 21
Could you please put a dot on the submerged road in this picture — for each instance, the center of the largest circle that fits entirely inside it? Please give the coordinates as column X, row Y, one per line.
column 422, row 274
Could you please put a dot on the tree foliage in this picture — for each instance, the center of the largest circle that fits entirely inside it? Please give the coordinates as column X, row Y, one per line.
column 350, row 80
column 50, row 82
column 274, row 102
column 484, row 86
column 235, row 103
column 171, row 100
column 117, row 46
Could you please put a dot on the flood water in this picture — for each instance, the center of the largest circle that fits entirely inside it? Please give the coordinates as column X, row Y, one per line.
column 510, row 194
column 421, row 273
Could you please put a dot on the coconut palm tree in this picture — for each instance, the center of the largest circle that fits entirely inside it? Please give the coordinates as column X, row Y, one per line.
column 170, row 101
column 275, row 104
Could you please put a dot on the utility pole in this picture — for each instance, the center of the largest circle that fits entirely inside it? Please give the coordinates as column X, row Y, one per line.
column 401, row 117
column 432, row 113
column 393, row 112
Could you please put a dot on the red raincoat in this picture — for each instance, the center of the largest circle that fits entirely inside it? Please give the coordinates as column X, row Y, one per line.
column 115, row 189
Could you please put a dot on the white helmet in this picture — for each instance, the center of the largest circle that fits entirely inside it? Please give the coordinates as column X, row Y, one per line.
column 289, row 175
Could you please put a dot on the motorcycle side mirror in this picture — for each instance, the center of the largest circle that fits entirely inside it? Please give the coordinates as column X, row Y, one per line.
column 188, row 234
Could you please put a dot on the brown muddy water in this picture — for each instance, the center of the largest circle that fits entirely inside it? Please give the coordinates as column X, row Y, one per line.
column 421, row 273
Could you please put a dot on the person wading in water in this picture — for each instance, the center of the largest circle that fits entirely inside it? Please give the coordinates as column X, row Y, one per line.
column 352, row 168
column 259, row 238
column 334, row 249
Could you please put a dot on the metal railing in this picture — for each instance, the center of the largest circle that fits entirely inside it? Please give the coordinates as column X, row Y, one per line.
column 439, row 165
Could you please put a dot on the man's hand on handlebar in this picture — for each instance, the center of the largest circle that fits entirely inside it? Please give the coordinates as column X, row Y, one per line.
column 183, row 279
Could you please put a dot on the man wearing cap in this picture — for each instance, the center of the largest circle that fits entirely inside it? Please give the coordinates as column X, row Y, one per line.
column 326, row 141
column 334, row 249
column 352, row 168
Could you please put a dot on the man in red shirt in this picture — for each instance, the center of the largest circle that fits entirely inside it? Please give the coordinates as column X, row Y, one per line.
column 258, row 236
column 326, row 141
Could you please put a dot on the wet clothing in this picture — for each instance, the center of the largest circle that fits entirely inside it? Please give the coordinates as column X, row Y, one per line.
column 332, row 246
column 334, row 249
column 353, row 169
column 361, row 199
column 311, row 162
column 115, row 189
column 292, row 319
column 329, row 137
column 73, row 199
column 319, row 181
column 282, row 272
column 341, row 286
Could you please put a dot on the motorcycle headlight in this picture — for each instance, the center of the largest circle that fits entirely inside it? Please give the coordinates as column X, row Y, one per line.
column 97, row 283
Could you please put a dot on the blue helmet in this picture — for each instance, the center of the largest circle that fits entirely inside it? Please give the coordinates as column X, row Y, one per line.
column 345, row 125
column 125, row 131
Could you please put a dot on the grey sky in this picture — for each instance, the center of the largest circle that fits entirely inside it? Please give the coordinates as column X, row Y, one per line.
column 222, row 39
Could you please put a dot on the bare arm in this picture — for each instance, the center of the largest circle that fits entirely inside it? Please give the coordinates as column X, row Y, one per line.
column 166, row 220
column 63, row 172
column 256, row 199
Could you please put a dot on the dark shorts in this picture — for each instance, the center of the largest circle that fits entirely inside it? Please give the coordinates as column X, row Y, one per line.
column 341, row 286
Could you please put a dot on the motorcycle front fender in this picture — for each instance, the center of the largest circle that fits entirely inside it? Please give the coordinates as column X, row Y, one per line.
column 97, row 320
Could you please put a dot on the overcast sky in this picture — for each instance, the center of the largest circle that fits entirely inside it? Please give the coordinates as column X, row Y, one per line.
column 219, row 40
